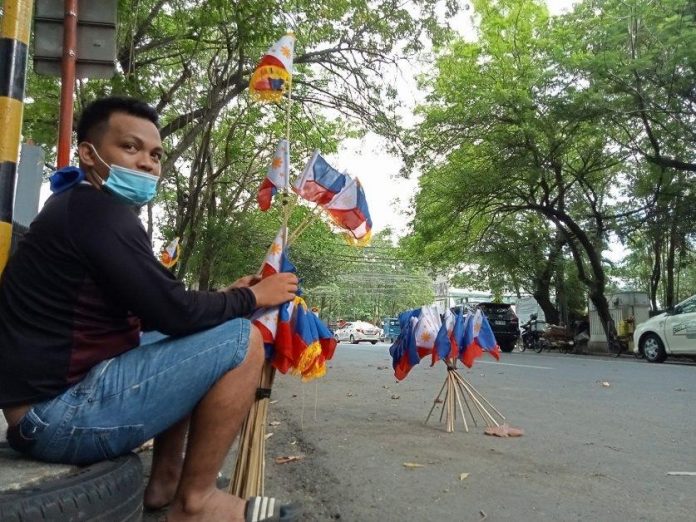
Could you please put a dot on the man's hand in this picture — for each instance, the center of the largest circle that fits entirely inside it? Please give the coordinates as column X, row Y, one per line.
column 274, row 290
column 244, row 282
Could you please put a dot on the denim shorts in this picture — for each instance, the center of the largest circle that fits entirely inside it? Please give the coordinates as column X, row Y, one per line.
column 124, row 401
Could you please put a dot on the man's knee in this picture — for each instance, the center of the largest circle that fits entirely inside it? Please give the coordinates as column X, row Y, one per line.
column 255, row 350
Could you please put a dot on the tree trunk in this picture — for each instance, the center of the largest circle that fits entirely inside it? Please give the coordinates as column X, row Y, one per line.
column 670, row 263
column 209, row 240
column 542, row 297
column 656, row 270
column 600, row 301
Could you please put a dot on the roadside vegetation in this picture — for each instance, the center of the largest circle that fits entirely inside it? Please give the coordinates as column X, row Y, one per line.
column 541, row 142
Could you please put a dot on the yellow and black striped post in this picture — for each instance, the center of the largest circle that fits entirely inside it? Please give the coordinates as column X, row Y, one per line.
column 14, row 42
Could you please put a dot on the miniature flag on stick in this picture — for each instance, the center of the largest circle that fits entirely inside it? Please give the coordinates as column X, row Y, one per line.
column 319, row 182
column 277, row 176
column 276, row 260
column 170, row 253
column 273, row 75
column 349, row 211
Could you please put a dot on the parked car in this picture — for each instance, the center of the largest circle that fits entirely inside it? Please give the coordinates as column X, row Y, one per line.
column 504, row 323
column 357, row 331
column 670, row 333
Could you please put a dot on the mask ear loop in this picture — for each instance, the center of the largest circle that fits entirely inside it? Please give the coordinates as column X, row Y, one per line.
column 96, row 178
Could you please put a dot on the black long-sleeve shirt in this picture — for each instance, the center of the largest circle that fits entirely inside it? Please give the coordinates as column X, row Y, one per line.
column 78, row 288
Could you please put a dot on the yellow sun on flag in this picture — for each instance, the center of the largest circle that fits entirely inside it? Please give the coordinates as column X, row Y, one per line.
column 425, row 337
column 277, row 162
column 286, row 51
column 276, row 248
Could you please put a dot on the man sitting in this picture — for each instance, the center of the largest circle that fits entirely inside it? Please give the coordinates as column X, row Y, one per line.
column 79, row 381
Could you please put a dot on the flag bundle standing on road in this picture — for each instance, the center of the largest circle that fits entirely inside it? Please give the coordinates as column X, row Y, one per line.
column 450, row 338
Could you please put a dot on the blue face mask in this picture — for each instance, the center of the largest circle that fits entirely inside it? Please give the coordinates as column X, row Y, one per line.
column 132, row 186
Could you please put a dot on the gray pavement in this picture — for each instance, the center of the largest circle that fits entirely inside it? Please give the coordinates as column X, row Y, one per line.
column 590, row 451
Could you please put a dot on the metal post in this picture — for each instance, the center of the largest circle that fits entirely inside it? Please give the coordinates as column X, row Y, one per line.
column 67, row 82
column 14, row 41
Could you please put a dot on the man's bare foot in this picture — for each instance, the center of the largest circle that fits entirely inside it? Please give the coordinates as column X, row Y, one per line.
column 161, row 488
column 159, row 495
column 215, row 506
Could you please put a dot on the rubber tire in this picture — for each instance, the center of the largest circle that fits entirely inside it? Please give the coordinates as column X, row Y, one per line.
column 508, row 346
column 352, row 340
column 659, row 355
column 108, row 491
column 537, row 345
column 373, row 342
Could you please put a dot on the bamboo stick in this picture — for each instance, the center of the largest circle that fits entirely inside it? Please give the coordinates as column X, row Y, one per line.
column 435, row 402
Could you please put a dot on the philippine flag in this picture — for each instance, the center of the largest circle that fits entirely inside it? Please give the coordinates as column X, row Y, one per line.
column 276, row 260
column 273, row 75
column 445, row 344
column 282, row 356
column 349, row 211
column 266, row 320
column 319, row 181
column 277, row 176
column 426, row 330
column 404, row 351
column 480, row 338
column 170, row 253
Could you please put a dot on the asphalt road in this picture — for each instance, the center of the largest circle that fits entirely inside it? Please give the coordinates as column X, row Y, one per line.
column 590, row 451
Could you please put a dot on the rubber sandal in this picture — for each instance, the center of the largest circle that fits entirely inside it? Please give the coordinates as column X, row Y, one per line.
column 268, row 509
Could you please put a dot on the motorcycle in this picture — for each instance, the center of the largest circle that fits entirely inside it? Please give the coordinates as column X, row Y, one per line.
column 532, row 337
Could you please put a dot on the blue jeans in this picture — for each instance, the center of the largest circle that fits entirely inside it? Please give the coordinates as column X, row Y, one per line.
column 124, row 401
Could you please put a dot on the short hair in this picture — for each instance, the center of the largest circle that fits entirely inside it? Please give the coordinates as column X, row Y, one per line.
column 95, row 116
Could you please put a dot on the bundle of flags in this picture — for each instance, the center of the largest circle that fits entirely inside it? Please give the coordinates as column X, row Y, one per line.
column 341, row 196
column 450, row 337
column 170, row 253
column 273, row 75
column 295, row 339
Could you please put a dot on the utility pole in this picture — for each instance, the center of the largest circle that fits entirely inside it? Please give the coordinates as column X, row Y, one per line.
column 67, row 82
column 14, row 43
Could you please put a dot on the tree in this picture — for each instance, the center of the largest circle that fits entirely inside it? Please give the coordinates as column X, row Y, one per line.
column 372, row 283
column 192, row 60
column 506, row 130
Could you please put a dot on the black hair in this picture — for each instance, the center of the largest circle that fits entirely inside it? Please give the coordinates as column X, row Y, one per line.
column 96, row 115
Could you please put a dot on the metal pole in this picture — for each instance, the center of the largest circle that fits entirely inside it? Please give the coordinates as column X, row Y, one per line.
column 14, row 42
column 67, row 82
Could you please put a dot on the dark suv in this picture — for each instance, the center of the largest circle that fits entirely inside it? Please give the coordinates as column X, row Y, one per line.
column 504, row 323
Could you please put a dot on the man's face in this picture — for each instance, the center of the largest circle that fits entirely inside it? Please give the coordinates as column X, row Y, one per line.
column 128, row 141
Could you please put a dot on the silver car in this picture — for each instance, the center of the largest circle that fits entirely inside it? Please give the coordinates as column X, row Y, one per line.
column 358, row 331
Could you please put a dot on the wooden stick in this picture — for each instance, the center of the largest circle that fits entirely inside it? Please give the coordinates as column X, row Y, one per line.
column 468, row 406
column 484, row 398
column 316, row 211
column 444, row 402
column 480, row 407
column 459, row 403
column 453, row 403
column 475, row 394
column 435, row 402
